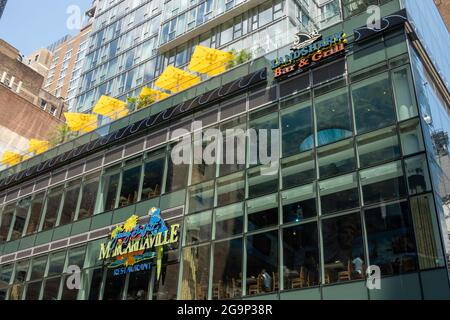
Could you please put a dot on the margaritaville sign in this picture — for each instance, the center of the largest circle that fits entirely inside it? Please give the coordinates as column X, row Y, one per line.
column 308, row 50
column 132, row 245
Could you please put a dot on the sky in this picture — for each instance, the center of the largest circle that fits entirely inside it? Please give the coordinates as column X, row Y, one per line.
column 32, row 24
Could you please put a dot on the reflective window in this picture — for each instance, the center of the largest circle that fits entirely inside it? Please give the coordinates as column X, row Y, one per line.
column 411, row 137
column 153, row 175
column 176, row 174
column 198, row 227
column 165, row 288
column 52, row 208
column 6, row 221
column 51, row 289
column 262, row 180
column 298, row 170
column 299, row 203
column 383, row 183
column 56, row 263
column 262, row 212
column 201, row 196
column 343, row 251
column 336, row 159
column 417, row 174
column 373, row 103
column 297, row 126
column 110, row 184
column 378, row 146
column 333, row 117
column 262, row 263
column 130, row 185
column 227, row 271
column 76, row 257
column 88, row 196
column 6, row 274
column 33, row 290
column 20, row 218
column 138, row 285
column 229, row 221
column 300, row 256
column 92, row 280
column 194, row 284
column 339, row 194
column 390, row 238
column 200, row 170
column 404, row 94
column 260, row 135
column 114, row 286
column 70, row 202
column 21, row 272
column 233, row 159
column 230, row 189
column 38, row 268
column 35, row 213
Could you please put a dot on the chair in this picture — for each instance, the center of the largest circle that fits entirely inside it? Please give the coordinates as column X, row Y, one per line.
column 218, row 290
column 275, row 281
column 347, row 274
column 255, row 288
column 236, row 290
column 327, row 277
column 300, row 281
column 310, row 279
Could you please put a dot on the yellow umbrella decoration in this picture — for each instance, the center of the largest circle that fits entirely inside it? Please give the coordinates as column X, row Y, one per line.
column 12, row 158
column 210, row 61
column 156, row 95
column 110, row 107
column 38, row 146
column 81, row 121
column 175, row 80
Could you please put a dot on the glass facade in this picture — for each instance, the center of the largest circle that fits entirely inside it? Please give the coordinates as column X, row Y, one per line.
column 352, row 187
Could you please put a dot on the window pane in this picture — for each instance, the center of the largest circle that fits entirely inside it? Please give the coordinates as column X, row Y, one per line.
column 88, row 197
column 51, row 289
column 299, row 203
column 176, row 175
column 260, row 134
column 70, row 204
column 298, row 170
column 339, row 194
column 76, row 257
column 166, row 287
column 200, row 170
column 378, row 146
column 198, row 227
column 383, row 183
column 373, row 104
column 130, row 186
column 153, row 174
column 7, row 218
column 390, row 238
column 333, row 117
column 33, row 290
column 38, row 268
column 93, row 252
column 262, row 263
column 35, row 214
column 56, row 264
column 18, row 286
column 201, row 197
column 296, row 123
column 336, row 159
column 404, row 96
column 230, row 189
column 411, row 137
column 52, row 208
column 229, row 221
column 417, row 174
column 262, row 212
column 109, row 195
column 300, row 256
column 194, row 285
column 68, row 294
column 91, row 284
column 231, row 146
column 343, row 251
column 20, row 218
column 261, row 182
column 138, row 285
column 227, row 272
column 114, row 286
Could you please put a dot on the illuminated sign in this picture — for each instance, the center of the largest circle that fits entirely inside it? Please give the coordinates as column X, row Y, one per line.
column 132, row 246
column 308, row 50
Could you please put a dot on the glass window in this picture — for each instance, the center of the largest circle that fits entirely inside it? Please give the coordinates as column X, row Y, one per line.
column 200, row 170
column 6, row 273
column 194, row 284
column 227, row 32
column 7, row 218
column 230, row 189
column 229, row 221
column 336, row 159
column 92, row 280
column 411, row 137
column 52, row 208
column 227, row 271
column 38, row 268
column 300, row 256
column 390, row 238
column 383, row 183
column 138, row 285
column 130, row 186
column 68, row 294
column 265, row 13
column 299, row 203
column 343, row 251
column 20, row 218
column 114, row 286
column 233, row 158
column 201, row 196
column 298, row 170
column 333, row 117
column 88, row 197
column 373, row 103
column 70, row 202
column 198, row 227
column 176, row 174
column 93, row 252
column 110, row 184
column 262, row 212
column 404, row 95
column 417, row 174
column 56, row 263
column 51, row 289
column 153, row 175
column 260, row 135
column 378, row 146
column 339, row 194
column 166, row 287
column 21, row 273
column 35, row 214
column 261, row 182
column 33, row 290
column 76, row 257
column 262, row 263
column 296, row 123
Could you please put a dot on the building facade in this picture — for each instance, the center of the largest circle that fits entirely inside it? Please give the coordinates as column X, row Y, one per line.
column 358, row 178
column 40, row 61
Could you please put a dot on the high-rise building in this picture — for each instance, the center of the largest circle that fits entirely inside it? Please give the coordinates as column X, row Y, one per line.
column 58, row 42
column 353, row 188
column 39, row 61
column 2, row 7
column 66, row 66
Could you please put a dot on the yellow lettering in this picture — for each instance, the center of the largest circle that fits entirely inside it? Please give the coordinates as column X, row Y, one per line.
column 174, row 233
column 105, row 251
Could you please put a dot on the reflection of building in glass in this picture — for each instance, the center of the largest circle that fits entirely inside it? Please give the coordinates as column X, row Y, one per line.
column 358, row 181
